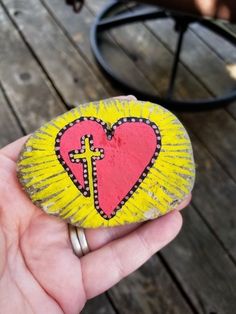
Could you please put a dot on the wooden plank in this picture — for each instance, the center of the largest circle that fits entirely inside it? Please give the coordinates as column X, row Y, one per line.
column 25, row 84
column 195, row 49
column 215, row 196
column 200, row 264
column 212, row 280
column 224, row 50
column 145, row 53
column 96, row 6
column 216, row 130
column 207, row 67
column 9, row 128
column 162, row 62
column 98, row 305
column 196, row 56
column 64, row 65
column 78, row 28
column 218, row 188
column 153, row 59
column 148, row 291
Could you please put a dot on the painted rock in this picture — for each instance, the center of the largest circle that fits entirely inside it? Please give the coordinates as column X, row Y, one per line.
column 108, row 163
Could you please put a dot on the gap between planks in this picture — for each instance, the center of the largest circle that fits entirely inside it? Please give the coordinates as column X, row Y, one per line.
column 35, row 55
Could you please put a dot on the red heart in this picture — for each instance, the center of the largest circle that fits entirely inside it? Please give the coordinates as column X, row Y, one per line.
column 130, row 148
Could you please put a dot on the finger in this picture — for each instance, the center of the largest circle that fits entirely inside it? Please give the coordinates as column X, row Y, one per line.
column 12, row 150
column 99, row 237
column 119, row 258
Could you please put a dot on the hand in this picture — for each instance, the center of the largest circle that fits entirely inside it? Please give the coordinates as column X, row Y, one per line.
column 39, row 272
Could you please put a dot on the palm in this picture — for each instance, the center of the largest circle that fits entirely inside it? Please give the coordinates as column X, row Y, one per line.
column 39, row 269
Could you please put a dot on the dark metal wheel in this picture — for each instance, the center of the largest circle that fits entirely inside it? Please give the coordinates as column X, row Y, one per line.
column 106, row 20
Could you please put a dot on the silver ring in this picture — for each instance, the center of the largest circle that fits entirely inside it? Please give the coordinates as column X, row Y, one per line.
column 82, row 240
column 78, row 241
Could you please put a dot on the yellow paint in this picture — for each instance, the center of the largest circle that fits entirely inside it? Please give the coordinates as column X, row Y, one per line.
column 170, row 178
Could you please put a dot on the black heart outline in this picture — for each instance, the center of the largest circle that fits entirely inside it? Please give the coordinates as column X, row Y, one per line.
column 110, row 133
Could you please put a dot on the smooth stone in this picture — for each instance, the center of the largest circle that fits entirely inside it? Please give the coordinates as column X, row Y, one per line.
column 108, row 163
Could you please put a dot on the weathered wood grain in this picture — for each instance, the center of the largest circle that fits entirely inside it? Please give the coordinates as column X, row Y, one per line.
column 159, row 59
column 78, row 28
column 216, row 130
column 224, row 50
column 26, row 86
column 153, row 59
column 96, row 6
column 215, row 196
column 207, row 68
column 149, row 291
column 216, row 72
column 98, row 305
column 9, row 128
column 196, row 56
column 64, row 65
column 200, row 264
column 206, row 273
column 145, row 53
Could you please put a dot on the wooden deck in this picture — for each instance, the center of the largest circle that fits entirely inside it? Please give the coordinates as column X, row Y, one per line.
column 46, row 66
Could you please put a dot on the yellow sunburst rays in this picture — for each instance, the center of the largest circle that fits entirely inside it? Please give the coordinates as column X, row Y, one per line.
column 169, row 180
